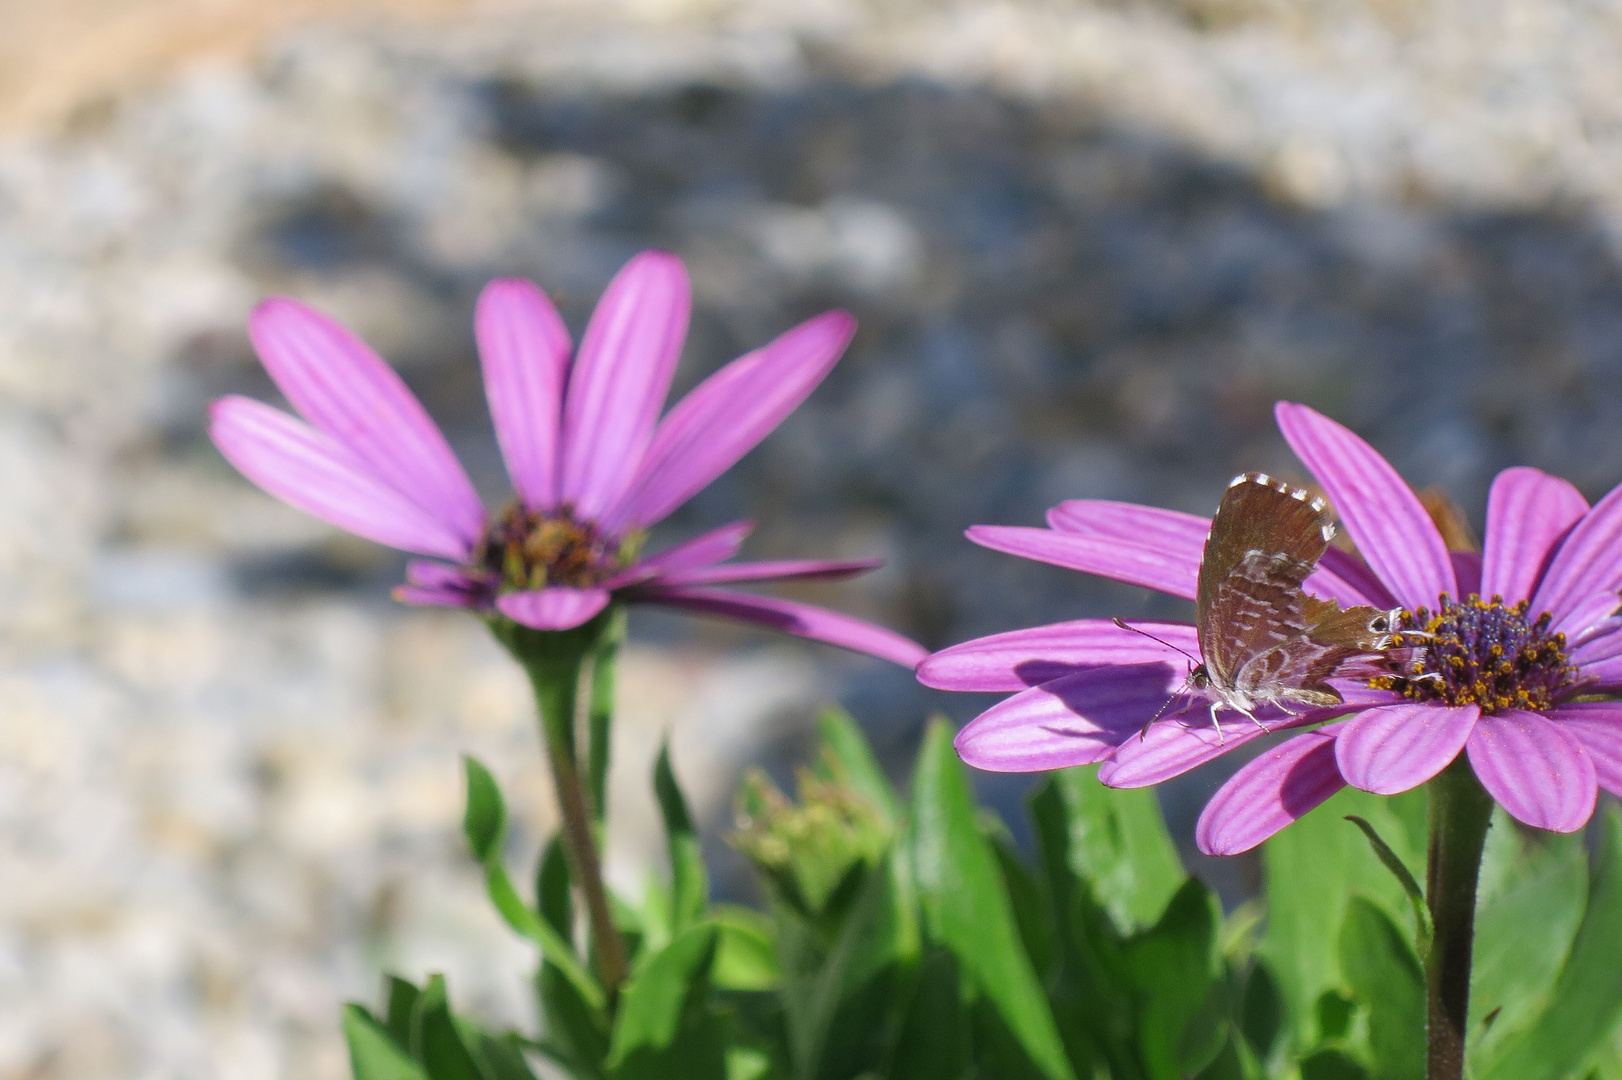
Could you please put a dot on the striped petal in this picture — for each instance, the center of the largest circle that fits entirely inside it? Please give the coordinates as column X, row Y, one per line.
column 1381, row 512
column 620, row 380
column 1598, row 727
column 524, row 352
column 729, row 413
column 1396, row 748
column 1583, row 578
column 553, row 608
column 1023, row 658
column 1178, row 743
column 1077, row 719
column 1270, row 792
column 1149, row 526
column 791, row 617
column 346, row 390
column 1528, row 511
column 772, row 570
column 715, row 546
column 1152, row 567
column 311, row 470
column 1537, row 770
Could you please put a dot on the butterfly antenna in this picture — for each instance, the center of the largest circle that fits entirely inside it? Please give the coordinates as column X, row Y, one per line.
column 1143, row 734
column 1151, row 637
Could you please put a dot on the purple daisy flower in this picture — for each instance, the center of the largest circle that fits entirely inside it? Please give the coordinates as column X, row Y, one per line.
column 593, row 465
column 1522, row 650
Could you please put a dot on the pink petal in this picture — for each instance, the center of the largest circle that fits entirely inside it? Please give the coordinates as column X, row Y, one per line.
column 1151, row 567
column 773, row 570
column 620, row 380
column 311, row 470
column 1398, row 747
column 1381, row 512
column 803, row 620
column 715, row 546
column 1023, row 658
column 425, row 596
column 1344, row 577
column 1584, row 576
column 1176, row 744
column 1598, row 726
column 524, row 350
column 1077, row 719
column 552, row 608
column 729, row 413
column 345, row 389
column 1602, row 641
column 433, row 575
column 1272, row 791
column 1148, row 526
column 1528, row 511
column 1536, row 770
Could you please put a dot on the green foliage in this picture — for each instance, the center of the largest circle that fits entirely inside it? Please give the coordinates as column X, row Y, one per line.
column 911, row 939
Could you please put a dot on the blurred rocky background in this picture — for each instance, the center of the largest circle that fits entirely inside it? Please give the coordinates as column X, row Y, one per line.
column 1089, row 245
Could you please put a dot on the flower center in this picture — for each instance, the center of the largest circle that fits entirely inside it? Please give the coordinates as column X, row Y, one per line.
column 1480, row 652
column 525, row 549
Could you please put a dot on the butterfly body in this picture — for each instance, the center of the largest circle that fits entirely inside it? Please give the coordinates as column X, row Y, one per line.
column 1265, row 641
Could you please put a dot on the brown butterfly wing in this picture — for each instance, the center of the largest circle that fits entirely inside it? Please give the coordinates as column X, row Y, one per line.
column 1298, row 668
column 1264, row 541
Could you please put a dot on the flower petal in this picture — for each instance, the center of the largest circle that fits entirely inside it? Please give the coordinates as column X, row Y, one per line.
column 1598, row 726
column 791, row 617
column 1154, row 568
column 727, row 414
column 1023, row 658
column 1148, row 526
column 311, row 470
column 524, row 351
column 552, row 608
column 715, row 546
column 434, row 575
column 772, row 570
column 426, row 596
column 1177, row 743
column 1528, row 511
column 620, row 380
column 1343, row 576
column 1272, row 791
column 1537, row 770
column 1398, row 747
column 1076, row 719
column 346, row 390
column 1381, row 512
column 1586, row 573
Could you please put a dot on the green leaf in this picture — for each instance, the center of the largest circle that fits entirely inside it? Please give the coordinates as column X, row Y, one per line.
column 1234, row 1062
column 746, row 954
column 576, row 1032
column 661, row 1029
column 434, row 1039
column 1119, row 844
column 1033, row 907
column 373, row 1053
column 1182, row 1024
column 402, row 1005
column 1405, row 878
column 485, row 819
column 1331, row 1065
column 1524, row 930
column 1586, row 1005
column 966, row 906
column 552, row 898
column 1311, row 870
column 689, row 881
column 934, row 1040
column 844, row 744
column 1384, row 974
column 1261, row 1010
column 499, row 1057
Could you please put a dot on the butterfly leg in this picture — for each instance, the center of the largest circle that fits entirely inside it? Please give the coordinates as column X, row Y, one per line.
column 1265, row 729
column 1216, row 723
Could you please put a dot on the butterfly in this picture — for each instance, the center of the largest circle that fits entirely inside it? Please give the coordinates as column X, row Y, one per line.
column 1265, row 641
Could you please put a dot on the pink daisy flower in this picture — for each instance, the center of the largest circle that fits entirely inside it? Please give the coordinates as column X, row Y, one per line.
column 593, row 465
column 1524, row 650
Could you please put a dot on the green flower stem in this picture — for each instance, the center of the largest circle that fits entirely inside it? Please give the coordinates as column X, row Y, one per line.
column 555, row 661
column 600, row 719
column 1460, row 811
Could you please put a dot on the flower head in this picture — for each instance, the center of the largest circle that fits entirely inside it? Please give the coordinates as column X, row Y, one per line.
column 593, row 465
column 1508, row 656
